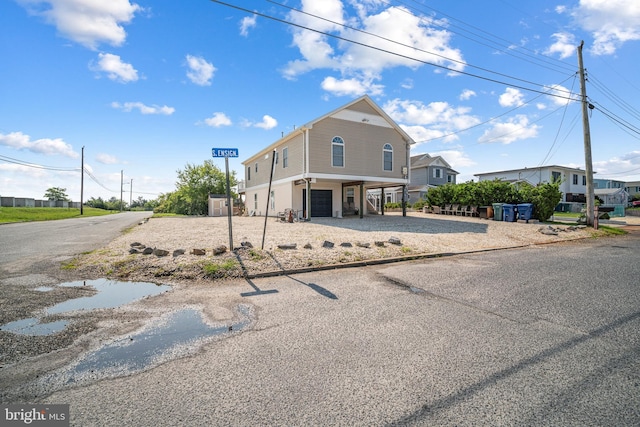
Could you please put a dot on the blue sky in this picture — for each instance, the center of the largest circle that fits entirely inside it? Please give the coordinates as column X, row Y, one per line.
column 147, row 87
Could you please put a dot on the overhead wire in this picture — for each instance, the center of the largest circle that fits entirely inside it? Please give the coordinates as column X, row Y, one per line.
column 491, row 119
column 284, row 21
column 36, row 166
column 508, row 49
column 555, row 139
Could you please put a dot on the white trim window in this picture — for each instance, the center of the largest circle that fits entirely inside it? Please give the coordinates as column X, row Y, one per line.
column 285, row 157
column 437, row 173
column 337, row 152
column 255, row 201
column 387, row 157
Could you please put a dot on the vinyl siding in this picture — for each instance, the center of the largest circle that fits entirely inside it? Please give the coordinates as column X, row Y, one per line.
column 363, row 151
column 295, row 147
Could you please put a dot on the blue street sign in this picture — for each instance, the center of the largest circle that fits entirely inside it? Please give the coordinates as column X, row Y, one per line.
column 224, row 152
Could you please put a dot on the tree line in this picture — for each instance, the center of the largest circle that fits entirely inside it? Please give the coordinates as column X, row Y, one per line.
column 191, row 196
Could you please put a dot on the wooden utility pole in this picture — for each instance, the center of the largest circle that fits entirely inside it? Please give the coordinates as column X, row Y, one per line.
column 588, row 163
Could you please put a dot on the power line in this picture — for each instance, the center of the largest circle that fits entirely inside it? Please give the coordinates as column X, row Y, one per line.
column 508, row 49
column 252, row 12
column 493, row 118
column 36, row 166
column 402, row 44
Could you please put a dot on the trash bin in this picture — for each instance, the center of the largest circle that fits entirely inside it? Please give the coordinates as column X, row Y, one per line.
column 525, row 211
column 509, row 212
column 497, row 211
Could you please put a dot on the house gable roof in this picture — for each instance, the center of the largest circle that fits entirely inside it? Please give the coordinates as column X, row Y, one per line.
column 425, row 160
column 346, row 112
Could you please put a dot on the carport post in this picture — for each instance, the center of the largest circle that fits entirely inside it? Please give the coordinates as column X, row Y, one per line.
column 361, row 199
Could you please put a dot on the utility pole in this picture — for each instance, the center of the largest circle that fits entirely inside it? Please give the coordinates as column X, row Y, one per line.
column 81, row 180
column 588, row 163
column 121, row 185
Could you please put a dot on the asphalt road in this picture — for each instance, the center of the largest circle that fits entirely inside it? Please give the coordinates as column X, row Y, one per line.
column 25, row 245
column 548, row 335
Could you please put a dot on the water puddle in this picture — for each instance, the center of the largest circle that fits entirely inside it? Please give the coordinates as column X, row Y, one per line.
column 175, row 335
column 109, row 294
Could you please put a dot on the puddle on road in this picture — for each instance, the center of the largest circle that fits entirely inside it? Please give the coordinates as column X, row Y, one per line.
column 109, row 294
column 175, row 335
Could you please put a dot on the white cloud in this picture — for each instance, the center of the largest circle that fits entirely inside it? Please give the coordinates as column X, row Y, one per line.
column 115, row 69
column 619, row 165
column 201, row 71
column 434, row 120
column 407, row 84
column 558, row 94
column 246, row 23
column 400, row 31
column 144, row 109
column 564, row 45
column 515, row 129
column 466, row 95
column 456, row 158
column 107, row 159
column 48, row 146
column 267, row 123
column 611, row 23
column 351, row 87
column 88, row 22
column 511, row 97
column 218, row 120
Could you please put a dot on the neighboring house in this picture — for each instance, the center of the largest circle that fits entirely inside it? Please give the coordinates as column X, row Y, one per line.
column 573, row 182
column 607, row 183
column 325, row 167
column 633, row 188
column 428, row 172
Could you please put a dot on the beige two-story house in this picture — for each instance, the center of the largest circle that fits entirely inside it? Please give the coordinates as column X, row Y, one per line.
column 325, row 167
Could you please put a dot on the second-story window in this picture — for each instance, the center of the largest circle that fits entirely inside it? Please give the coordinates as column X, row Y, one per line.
column 337, row 152
column 387, row 157
column 249, row 173
column 256, row 167
column 437, row 173
column 285, row 157
column 556, row 176
column 584, row 180
column 575, row 179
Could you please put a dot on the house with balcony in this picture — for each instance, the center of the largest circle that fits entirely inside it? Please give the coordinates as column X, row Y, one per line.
column 325, row 167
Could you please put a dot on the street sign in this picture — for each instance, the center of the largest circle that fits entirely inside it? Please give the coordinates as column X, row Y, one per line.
column 224, row 152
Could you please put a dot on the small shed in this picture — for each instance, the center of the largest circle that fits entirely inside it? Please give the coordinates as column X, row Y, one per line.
column 217, row 205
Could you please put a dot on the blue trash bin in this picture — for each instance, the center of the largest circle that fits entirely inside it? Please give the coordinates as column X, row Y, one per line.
column 509, row 212
column 525, row 211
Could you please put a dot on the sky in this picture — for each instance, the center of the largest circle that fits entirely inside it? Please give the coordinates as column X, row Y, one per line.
column 145, row 88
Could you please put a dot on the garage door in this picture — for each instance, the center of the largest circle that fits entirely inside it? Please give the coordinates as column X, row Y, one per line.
column 321, row 202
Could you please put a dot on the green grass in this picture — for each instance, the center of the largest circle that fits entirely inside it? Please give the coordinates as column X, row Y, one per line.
column 215, row 269
column 47, row 214
column 612, row 231
column 566, row 214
